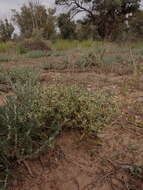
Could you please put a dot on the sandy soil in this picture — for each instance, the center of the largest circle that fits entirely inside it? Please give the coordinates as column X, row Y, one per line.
column 95, row 164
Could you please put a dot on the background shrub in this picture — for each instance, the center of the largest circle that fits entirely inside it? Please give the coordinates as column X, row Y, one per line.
column 30, row 45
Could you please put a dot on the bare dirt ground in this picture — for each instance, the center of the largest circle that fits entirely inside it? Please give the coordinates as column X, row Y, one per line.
column 101, row 163
column 89, row 165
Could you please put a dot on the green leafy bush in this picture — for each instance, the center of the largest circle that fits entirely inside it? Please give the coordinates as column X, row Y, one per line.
column 21, row 74
column 32, row 117
column 36, row 54
column 91, row 59
column 72, row 107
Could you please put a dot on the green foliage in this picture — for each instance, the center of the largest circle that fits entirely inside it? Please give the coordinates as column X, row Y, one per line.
column 37, row 34
column 36, row 54
column 4, row 59
column 136, row 25
column 19, row 125
column 49, row 31
column 8, row 57
column 32, row 117
column 20, row 49
column 111, row 13
column 91, row 59
column 34, row 16
column 85, row 30
column 6, row 30
column 56, row 66
column 86, row 43
column 66, row 26
column 5, row 47
column 75, row 108
column 21, row 74
column 108, row 57
column 136, row 171
column 62, row 45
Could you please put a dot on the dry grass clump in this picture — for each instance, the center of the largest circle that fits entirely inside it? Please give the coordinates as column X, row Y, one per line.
column 30, row 45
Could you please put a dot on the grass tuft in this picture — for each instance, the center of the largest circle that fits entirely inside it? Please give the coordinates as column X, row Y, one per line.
column 36, row 54
column 5, row 47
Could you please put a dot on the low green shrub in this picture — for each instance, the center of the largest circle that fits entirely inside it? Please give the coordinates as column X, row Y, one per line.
column 136, row 171
column 32, row 117
column 20, row 49
column 76, row 108
column 63, row 45
column 57, row 65
column 86, row 43
column 36, row 54
column 120, row 64
column 5, row 47
column 3, row 76
column 91, row 59
column 4, row 59
column 21, row 74
column 7, row 58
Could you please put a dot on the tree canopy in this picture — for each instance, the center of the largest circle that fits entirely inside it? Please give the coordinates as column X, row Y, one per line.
column 6, row 30
column 106, row 14
column 34, row 16
column 67, row 26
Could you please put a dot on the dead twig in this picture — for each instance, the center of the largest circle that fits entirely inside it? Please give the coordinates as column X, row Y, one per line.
column 28, row 168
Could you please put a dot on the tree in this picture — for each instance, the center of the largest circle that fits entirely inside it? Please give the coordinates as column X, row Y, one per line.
column 136, row 24
column 6, row 30
column 67, row 26
column 33, row 17
column 50, row 27
column 105, row 14
column 86, row 30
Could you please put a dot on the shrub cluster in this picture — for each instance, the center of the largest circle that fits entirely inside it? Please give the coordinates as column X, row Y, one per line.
column 32, row 117
column 31, row 45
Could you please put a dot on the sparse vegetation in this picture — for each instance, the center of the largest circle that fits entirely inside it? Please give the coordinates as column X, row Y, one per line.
column 71, row 96
column 32, row 117
column 32, row 45
column 5, row 47
column 62, row 45
column 36, row 54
